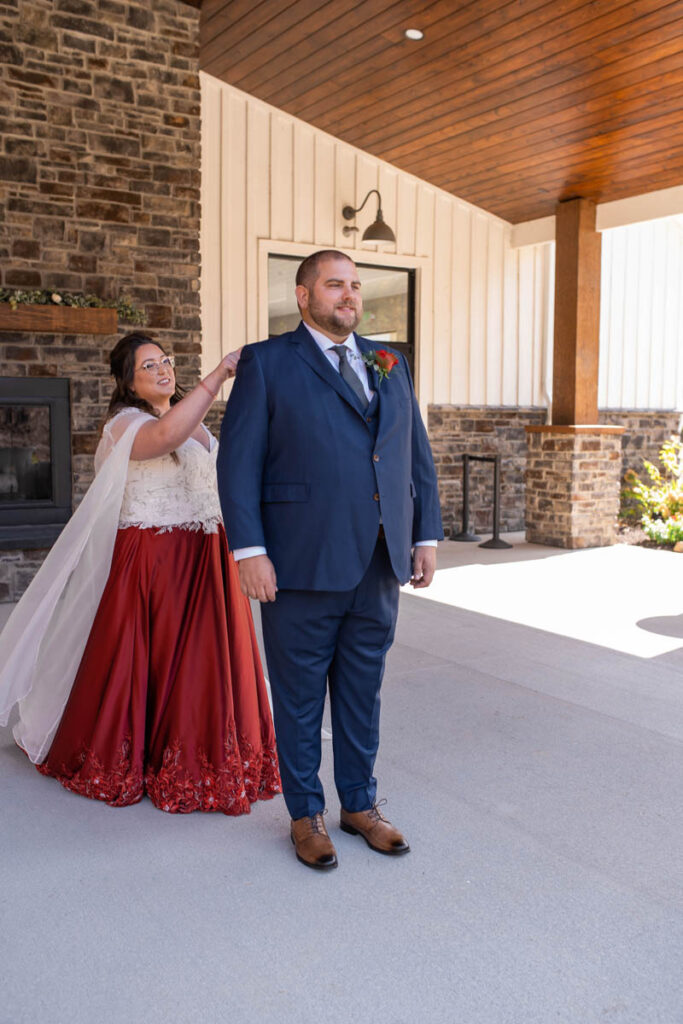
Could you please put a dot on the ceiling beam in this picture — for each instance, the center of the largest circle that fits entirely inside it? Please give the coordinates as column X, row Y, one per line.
column 667, row 202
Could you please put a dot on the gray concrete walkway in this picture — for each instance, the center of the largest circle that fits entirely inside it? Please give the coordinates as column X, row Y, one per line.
column 532, row 752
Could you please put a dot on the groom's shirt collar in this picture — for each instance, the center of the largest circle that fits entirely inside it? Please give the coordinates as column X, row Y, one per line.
column 324, row 343
column 327, row 347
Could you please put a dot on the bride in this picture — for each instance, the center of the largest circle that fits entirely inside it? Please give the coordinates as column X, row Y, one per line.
column 132, row 658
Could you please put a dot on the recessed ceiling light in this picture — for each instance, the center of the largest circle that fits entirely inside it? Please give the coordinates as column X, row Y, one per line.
column 413, row 33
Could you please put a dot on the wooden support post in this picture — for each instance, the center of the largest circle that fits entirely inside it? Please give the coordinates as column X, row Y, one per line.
column 577, row 314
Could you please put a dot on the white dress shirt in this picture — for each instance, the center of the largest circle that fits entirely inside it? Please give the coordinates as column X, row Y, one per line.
column 355, row 359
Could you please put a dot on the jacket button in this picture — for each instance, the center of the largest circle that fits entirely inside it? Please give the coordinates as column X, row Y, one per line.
column 369, row 419
column 375, row 497
column 375, row 458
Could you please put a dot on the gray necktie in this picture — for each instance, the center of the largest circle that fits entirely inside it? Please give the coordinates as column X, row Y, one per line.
column 350, row 375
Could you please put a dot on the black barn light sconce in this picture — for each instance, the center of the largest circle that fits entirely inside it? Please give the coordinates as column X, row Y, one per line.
column 378, row 231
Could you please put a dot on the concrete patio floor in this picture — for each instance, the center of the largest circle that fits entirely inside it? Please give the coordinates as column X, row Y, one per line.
column 532, row 752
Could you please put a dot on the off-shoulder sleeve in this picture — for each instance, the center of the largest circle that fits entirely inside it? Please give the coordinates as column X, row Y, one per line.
column 113, row 431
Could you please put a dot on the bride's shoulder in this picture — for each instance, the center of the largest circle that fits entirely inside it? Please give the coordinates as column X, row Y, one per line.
column 114, row 429
column 129, row 410
column 123, row 417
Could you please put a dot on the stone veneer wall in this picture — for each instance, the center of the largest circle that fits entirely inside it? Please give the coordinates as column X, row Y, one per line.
column 99, row 191
column 645, row 430
column 481, row 430
column 573, row 482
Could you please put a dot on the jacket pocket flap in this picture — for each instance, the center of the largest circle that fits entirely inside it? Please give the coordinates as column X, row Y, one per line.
column 285, row 492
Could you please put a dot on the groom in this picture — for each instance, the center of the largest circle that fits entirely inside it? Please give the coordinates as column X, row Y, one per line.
column 327, row 484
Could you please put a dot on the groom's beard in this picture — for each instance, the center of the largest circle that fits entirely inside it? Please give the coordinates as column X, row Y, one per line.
column 341, row 321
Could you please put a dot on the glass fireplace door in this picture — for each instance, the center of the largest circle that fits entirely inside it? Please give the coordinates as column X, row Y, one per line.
column 35, row 460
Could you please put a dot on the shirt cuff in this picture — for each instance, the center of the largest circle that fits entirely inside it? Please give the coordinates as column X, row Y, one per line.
column 240, row 553
column 425, row 543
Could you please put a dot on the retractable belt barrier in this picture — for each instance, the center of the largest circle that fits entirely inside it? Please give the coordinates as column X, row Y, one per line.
column 465, row 534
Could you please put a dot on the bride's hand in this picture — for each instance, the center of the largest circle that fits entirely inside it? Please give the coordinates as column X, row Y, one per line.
column 230, row 362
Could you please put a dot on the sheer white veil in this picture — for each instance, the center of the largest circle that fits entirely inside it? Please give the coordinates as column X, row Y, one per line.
column 43, row 641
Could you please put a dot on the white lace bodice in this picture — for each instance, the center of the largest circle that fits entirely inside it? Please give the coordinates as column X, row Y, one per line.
column 163, row 493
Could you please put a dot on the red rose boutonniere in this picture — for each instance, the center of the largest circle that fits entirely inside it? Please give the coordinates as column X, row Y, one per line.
column 382, row 361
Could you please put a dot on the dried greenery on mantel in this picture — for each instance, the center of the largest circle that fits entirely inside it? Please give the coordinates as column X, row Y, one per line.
column 126, row 311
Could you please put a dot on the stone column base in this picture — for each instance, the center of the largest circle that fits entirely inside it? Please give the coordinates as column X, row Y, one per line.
column 573, row 481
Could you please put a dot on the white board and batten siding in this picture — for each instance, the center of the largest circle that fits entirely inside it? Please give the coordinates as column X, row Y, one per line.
column 274, row 184
column 641, row 316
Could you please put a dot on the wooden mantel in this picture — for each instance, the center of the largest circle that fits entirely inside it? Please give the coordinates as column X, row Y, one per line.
column 50, row 319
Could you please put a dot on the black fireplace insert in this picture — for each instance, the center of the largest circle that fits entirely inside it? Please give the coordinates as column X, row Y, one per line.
column 35, row 460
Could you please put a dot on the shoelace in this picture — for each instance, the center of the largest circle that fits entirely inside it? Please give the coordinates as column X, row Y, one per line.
column 317, row 823
column 375, row 814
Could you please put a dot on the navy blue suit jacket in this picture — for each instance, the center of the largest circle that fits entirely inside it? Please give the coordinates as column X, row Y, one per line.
column 304, row 471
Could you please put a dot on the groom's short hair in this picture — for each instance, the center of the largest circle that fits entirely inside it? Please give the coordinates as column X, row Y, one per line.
column 309, row 269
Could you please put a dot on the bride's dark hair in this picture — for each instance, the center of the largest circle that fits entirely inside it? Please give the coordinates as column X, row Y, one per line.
column 122, row 365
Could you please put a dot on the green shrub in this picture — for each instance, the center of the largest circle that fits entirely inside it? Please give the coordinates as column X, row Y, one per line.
column 661, row 500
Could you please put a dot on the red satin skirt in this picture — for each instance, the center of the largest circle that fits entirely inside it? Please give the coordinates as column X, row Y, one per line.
column 169, row 699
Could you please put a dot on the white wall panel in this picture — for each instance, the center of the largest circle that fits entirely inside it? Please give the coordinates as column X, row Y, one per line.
column 406, row 214
column 641, row 322
column 424, row 222
column 494, row 313
column 672, row 391
column 258, row 207
column 525, row 326
column 211, row 231
column 325, row 209
column 443, row 315
column 540, row 292
column 611, row 324
column 304, row 183
column 344, row 192
column 273, row 183
column 460, row 304
column 655, row 392
column 233, row 219
column 388, row 187
column 282, row 177
column 510, row 331
column 478, row 295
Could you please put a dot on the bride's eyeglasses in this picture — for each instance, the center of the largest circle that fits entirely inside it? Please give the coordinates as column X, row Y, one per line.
column 153, row 365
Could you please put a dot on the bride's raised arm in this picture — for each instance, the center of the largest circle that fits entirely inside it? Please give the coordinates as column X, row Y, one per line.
column 160, row 436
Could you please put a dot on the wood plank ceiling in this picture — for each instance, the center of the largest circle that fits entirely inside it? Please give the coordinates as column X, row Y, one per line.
column 510, row 104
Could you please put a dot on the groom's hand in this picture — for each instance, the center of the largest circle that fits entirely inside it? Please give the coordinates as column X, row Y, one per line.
column 257, row 577
column 424, row 566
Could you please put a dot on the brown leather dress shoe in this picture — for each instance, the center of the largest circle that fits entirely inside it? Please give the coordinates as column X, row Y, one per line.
column 313, row 845
column 377, row 832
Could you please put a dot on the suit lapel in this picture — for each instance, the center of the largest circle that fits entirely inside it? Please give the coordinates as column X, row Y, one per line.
column 309, row 351
column 364, row 347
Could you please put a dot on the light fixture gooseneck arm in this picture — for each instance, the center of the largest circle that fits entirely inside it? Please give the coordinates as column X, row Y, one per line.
column 348, row 213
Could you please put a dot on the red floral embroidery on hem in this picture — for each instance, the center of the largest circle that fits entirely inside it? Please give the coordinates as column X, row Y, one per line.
column 245, row 776
column 118, row 786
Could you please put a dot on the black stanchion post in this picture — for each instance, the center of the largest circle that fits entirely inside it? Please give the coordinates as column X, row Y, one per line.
column 495, row 541
column 465, row 532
